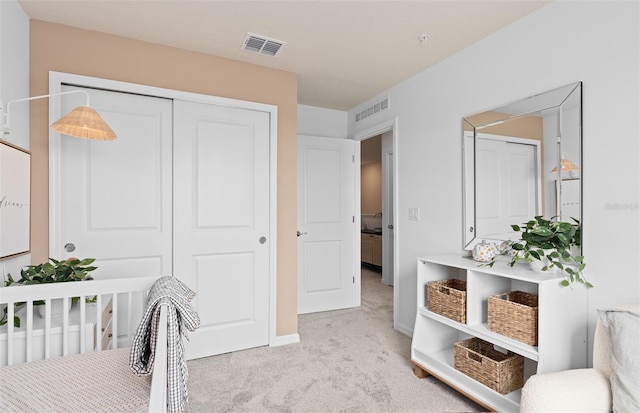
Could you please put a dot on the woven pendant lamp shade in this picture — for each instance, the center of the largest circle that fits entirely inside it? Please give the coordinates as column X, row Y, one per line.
column 84, row 122
column 566, row 165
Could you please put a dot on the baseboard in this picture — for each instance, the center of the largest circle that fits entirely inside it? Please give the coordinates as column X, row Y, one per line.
column 407, row 331
column 284, row 340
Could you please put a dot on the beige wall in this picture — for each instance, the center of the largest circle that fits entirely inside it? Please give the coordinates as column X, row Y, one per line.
column 65, row 49
column 371, row 188
column 371, row 175
column 525, row 127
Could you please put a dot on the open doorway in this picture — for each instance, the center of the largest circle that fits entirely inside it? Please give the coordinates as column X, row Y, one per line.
column 374, row 207
column 378, row 202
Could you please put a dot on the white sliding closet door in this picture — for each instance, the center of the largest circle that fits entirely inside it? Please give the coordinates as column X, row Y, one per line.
column 221, row 223
column 501, row 198
column 112, row 199
column 185, row 191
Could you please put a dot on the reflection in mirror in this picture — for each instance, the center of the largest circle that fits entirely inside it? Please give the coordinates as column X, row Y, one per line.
column 521, row 160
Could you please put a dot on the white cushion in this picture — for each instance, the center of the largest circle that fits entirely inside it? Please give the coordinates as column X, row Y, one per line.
column 578, row 390
column 601, row 350
column 623, row 328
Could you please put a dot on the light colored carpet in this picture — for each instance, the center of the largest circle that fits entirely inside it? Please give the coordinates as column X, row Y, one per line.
column 347, row 361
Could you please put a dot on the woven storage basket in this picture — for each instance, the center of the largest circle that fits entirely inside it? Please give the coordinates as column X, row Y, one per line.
column 448, row 298
column 514, row 315
column 478, row 359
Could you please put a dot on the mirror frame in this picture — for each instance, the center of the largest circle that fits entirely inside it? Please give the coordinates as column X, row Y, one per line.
column 555, row 102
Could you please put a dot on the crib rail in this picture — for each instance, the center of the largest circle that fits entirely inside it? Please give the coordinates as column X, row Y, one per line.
column 158, row 393
column 76, row 331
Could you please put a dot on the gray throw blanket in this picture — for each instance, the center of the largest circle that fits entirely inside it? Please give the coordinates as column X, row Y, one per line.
column 176, row 296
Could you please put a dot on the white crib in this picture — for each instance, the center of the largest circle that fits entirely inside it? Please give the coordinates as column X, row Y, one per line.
column 74, row 375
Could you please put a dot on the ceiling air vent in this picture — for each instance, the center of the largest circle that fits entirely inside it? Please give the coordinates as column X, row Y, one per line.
column 263, row 45
column 373, row 109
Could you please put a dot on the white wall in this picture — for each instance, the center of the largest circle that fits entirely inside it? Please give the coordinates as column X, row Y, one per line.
column 316, row 121
column 14, row 84
column 14, row 68
column 597, row 42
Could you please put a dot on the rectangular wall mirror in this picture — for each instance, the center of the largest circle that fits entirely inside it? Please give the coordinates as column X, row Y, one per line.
column 520, row 160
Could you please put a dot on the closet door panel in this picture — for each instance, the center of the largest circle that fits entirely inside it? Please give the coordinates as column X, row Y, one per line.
column 113, row 198
column 224, row 198
column 221, row 223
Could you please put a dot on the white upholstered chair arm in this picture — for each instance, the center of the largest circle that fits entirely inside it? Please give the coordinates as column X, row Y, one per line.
column 578, row 390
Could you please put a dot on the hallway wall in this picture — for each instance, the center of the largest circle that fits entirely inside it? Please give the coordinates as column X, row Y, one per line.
column 552, row 47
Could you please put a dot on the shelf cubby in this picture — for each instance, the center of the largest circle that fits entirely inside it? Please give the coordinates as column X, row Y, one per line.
column 562, row 324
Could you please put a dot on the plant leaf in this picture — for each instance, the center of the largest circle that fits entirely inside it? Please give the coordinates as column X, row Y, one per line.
column 542, row 231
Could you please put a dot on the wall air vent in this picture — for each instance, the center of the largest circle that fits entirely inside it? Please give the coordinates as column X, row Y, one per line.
column 373, row 109
column 263, row 45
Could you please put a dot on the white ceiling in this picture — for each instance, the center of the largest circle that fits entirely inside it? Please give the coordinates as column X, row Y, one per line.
column 344, row 52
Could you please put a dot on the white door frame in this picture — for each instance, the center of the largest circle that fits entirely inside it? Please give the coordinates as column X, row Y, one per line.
column 57, row 79
column 378, row 129
column 387, row 208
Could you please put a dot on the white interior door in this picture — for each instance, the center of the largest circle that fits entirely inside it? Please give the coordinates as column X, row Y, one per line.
column 111, row 200
column 221, row 223
column 507, row 186
column 326, row 224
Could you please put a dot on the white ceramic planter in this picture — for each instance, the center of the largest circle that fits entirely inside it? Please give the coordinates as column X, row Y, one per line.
column 538, row 265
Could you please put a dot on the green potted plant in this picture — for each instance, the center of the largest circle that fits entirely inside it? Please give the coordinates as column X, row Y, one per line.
column 551, row 242
column 72, row 269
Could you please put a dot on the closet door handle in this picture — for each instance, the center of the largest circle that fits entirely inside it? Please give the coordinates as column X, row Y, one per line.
column 262, row 240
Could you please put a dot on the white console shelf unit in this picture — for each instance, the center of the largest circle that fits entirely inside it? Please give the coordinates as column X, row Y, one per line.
column 562, row 324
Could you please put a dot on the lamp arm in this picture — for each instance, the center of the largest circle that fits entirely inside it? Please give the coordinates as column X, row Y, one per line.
column 5, row 127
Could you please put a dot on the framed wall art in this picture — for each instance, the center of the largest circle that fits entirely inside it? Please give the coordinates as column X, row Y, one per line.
column 15, row 190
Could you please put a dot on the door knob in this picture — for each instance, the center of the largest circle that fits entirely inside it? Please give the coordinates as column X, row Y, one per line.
column 298, row 233
column 262, row 240
column 69, row 247
column 390, row 226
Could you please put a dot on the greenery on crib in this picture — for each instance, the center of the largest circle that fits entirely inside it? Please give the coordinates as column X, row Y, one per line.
column 72, row 269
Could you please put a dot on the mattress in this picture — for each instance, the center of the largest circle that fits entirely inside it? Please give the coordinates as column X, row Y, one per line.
column 92, row 382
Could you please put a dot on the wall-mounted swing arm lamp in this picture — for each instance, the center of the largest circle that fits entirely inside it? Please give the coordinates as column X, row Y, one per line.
column 82, row 122
column 566, row 165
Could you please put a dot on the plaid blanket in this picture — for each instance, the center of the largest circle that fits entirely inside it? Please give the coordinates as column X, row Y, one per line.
column 176, row 296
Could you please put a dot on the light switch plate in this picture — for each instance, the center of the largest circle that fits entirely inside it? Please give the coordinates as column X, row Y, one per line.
column 414, row 214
